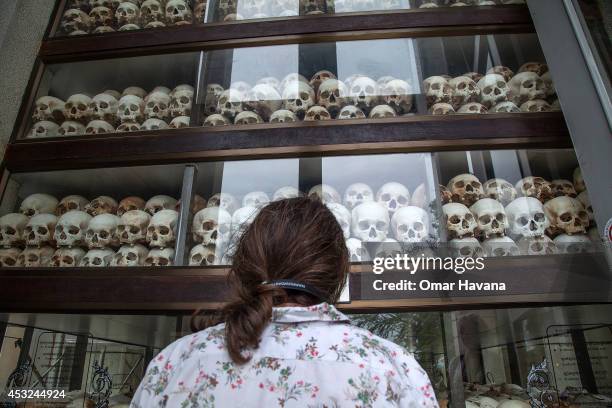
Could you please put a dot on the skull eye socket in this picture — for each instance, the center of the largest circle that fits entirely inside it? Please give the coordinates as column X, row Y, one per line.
column 418, row 226
column 381, row 226
column 304, row 96
column 386, row 197
column 369, row 89
column 97, row 261
column 435, row 87
column 210, row 259
column 163, row 262
column 67, row 260
column 527, row 185
column 134, row 229
column 10, row 231
column 82, row 107
column 485, row 219
column 9, row 261
column 43, row 106
column 149, row 261
column 465, row 251
column 459, row 184
column 184, row 99
column 500, row 217
column 528, row 84
column 181, row 7
column 163, row 230
column 475, row 184
column 539, row 217
column 402, row 228
column 32, row 258
column 197, row 258
column 487, row 90
column 154, row 7
column 151, row 229
column 454, row 219
column 364, row 225
column 104, row 234
column 494, row 184
column 325, row 94
column 208, row 225
column 461, row 85
column 402, row 200
column 150, row 105
column 582, row 214
column 133, row 107
column 469, row 217
column 73, row 230
column 42, row 230
column 522, row 221
column 131, row 256
column 566, row 217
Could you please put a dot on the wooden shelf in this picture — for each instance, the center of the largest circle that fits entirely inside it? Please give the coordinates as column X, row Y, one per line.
column 532, row 281
column 334, row 27
column 404, row 134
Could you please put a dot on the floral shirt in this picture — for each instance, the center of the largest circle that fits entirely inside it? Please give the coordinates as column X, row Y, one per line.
column 308, row 357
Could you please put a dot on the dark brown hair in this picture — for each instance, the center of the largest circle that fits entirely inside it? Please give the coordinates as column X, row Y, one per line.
column 297, row 239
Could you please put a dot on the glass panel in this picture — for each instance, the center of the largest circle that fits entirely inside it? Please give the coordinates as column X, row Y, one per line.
column 107, row 96
column 82, row 17
column 376, row 79
column 49, row 220
column 597, row 15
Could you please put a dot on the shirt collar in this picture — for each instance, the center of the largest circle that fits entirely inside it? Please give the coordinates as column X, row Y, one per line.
column 323, row 312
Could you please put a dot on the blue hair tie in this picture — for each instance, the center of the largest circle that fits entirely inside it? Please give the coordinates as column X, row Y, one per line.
column 295, row 285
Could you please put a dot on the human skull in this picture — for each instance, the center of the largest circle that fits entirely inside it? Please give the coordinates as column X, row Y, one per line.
column 526, row 86
column 325, row 193
column 343, row 216
column 71, row 128
column 103, row 29
column 153, row 124
column 12, row 229
column 505, row 107
column 271, row 81
column 101, row 17
column 578, row 180
column 473, row 108
column 397, row 94
column 102, row 231
column 39, row 229
column 566, row 215
column 97, row 258
column 241, row 219
column 152, row 10
column 38, row 204
column 445, row 195
column 493, row 90
column 178, row 12
column 197, row 203
column 573, row 244
column 158, row 203
column 71, row 228
column 130, row 204
column 393, row 196
column 441, row 108
column 67, row 257
column 101, row 205
column 36, row 257
column 410, row 224
column 363, row 93
column 135, row 91
column 179, row 122
column 332, row 94
column 132, row 227
column 474, row 76
column 586, row 203
column 526, row 218
column 128, row 127
column 370, row 222
column 255, row 199
column 131, row 109
column 231, row 103
column 419, row 196
column 224, row 200
column 157, row 105
column 247, row 118
column 113, row 93
column 77, row 108
column 460, row 222
column 49, row 108
column 283, row 116
column 466, row 248
column 10, row 257
column 161, row 232
column 538, row 105
column 127, row 13
column 77, row 32
column 382, row 111
column 561, row 187
column 357, row 253
column 536, row 67
column 216, row 120
column 535, row 187
column 437, row 90
column 491, row 217
column 160, row 257
column 104, row 107
column 500, row 190
column 130, row 255
column 44, row 128
column 351, row 112
column 466, row 189
column 298, row 97
column 356, row 194
column 500, row 246
column 99, row 127
column 203, row 255
column 212, row 226
column 263, row 99
column 316, row 113
column 75, row 20
column 286, row 192
column 505, row 72
column 213, row 92
column 537, row 246
column 465, row 91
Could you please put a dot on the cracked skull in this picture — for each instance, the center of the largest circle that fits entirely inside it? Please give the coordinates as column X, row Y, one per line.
column 460, row 222
column 130, row 255
column 102, row 231
column 132, row 227
column 465, row 189
column 526, row 218
column 39, row 229
column 12, row 229
column 566, row 215
column 71, row 228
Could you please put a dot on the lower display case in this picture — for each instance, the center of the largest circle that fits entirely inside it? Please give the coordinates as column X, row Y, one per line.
column 546, row 356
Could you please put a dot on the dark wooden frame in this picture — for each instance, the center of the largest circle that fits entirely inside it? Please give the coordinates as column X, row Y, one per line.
column 181, row 290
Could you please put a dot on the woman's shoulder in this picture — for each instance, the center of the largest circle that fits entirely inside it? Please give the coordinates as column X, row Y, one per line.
column 209, row 339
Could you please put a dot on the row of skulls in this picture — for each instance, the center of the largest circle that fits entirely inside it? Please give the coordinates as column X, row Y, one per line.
column 295, row 97
column 540, row 216
column 103, row 16
column 66, row 257
column 110, row 111
column 498, row 91
column 459, row 3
